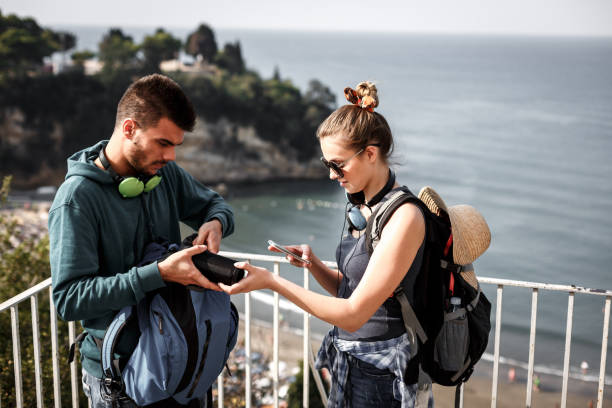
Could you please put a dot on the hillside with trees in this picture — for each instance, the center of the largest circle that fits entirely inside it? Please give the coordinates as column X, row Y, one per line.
column 249, row 128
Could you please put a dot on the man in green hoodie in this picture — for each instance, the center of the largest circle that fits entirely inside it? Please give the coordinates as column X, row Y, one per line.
column 118, row 196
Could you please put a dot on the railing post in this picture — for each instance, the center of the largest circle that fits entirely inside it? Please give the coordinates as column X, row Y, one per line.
column 220, row 394
column 73, row 369
column 532, row 335
column 57, row 396
column 568, row 343
column 305, row 368
column 17, row 355
column 31, row 293
column 247, row 349
column 275, row 341
column 36, row 346
column 317, row 377
column 498, row 315
column 604, row 349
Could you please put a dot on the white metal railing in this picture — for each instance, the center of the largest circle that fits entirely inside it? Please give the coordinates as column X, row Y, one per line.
column 571, row 290
column 308, row 361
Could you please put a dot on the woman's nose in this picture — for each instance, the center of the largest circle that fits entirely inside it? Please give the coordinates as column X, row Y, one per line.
column 332, row 175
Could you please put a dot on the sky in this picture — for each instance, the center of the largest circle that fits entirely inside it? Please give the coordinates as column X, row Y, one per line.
column 524, row 17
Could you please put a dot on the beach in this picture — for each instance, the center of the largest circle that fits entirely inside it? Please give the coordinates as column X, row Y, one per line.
column 477, row 391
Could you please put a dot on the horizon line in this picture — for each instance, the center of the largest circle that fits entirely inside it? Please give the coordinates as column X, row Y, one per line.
column 346, row 31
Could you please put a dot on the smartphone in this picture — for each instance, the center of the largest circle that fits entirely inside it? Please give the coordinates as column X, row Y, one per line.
column 286, row 251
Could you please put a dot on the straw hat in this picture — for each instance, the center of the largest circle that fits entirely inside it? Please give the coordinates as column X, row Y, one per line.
column 471, row 234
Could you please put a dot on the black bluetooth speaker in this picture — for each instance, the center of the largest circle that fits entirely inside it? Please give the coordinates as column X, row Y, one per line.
column 215, row 267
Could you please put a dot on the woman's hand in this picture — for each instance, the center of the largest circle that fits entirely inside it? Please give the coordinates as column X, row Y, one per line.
column 303, row 251
column 256, row 278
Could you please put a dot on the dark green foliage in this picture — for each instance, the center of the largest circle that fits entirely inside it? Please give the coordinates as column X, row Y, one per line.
column 296, row 394
column 275, row 108
column 76, row 105
column 65, row 40
column 320, row 101
column 202, row 42
column 79, row 58
column 56, row 115
column 5, row 189
column 276, row 74
column 24, row 263
column 24, row 44
column 319, row 94
column 230, row 58
column 117, row 50
column 159, row 47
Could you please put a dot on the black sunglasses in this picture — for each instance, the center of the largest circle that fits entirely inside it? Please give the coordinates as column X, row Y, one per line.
column 337, row 167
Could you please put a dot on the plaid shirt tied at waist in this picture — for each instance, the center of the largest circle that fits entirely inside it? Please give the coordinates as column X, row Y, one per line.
column 392, row 355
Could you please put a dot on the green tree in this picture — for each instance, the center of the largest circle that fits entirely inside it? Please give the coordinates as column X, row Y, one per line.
column 319, row 94
column 202, row 42
column 79, row 57
column 276, row 75
column 117, row 50
column 25, row 262
column 58, row 115
column 230, row 58
column 65, row 40
column 159, row 47
column 296, row 393
column 319, row 102
column 24, row 44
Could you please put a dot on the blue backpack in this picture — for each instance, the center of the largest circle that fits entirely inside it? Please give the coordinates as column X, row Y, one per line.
column 186, row 336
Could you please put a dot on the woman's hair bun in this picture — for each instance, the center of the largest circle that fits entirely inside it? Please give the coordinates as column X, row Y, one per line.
column 351, row 95
column 365, row 95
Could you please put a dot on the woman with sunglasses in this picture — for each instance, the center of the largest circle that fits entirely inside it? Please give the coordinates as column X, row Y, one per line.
column 367, row 349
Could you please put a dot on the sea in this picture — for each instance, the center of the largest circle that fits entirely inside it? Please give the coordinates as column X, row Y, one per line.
column 519, row 127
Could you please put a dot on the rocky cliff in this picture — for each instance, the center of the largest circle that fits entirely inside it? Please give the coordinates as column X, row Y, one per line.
column 220, row 152
column 226, row 152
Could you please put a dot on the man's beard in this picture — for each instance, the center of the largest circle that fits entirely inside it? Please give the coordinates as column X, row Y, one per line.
column 139, row 164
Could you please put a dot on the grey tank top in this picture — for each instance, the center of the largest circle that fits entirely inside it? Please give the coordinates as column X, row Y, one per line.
column 386, row 323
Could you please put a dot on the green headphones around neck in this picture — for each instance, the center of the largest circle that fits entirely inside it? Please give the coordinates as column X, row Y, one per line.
column 130, row 187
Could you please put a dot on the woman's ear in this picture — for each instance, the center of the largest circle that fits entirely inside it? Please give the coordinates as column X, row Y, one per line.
column 372, row 153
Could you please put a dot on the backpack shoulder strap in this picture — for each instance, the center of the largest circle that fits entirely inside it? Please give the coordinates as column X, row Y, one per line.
column 383, row 212
column 110, row 366
column 376, row 223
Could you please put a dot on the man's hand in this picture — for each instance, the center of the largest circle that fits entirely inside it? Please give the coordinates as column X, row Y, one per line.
column 179, row 268
column 210, row 234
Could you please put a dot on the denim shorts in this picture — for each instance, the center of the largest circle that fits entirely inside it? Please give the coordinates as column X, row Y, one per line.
column 370, row 386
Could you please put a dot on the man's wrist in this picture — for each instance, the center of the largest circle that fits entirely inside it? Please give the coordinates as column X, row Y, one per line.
column 219, row 221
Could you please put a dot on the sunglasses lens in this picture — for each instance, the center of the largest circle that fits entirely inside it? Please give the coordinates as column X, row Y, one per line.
column 332, row 166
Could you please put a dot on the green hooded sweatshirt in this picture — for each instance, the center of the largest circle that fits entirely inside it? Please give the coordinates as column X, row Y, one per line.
column 97, row 237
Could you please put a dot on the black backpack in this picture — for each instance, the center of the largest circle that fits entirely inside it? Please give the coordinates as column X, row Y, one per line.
column 451, row 338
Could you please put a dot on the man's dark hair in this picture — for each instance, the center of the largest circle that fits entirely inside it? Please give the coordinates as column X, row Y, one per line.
column 153, row 97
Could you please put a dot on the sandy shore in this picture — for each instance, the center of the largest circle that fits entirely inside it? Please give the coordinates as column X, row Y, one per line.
column 477, row 391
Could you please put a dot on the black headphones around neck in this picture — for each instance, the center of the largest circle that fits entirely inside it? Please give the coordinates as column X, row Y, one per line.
column 354, row 216
column 130, row 187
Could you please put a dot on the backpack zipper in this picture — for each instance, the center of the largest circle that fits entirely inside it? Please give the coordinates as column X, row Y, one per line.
column 203, row 360
column 159, row 323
